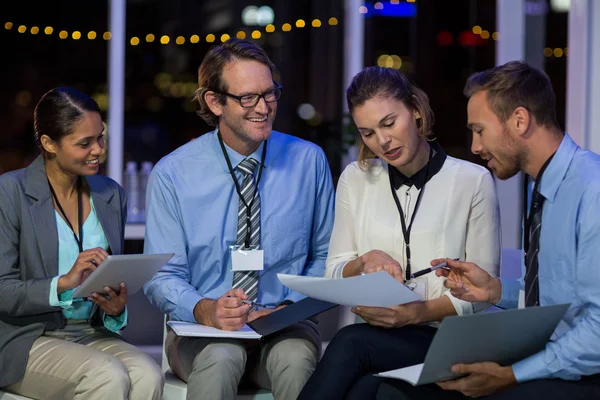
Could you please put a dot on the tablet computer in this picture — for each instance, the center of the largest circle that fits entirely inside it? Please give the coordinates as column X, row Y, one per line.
column 132, row 269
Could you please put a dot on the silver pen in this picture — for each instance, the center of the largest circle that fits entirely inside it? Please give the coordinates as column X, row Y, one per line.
column 258, row 305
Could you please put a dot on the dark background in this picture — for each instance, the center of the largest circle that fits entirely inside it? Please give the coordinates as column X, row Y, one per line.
column 439, row 48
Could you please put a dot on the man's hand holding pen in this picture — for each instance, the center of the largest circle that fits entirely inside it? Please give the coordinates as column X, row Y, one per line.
column 227, row 313
column 467, row 281
column 259, row 310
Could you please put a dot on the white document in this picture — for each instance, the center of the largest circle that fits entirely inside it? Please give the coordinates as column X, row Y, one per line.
column 409, row 374
column 375, row 290
column 196, row 330
column 521, row 299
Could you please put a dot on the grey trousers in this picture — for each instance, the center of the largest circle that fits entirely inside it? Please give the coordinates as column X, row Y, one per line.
column 213, row 368
column 97, row 367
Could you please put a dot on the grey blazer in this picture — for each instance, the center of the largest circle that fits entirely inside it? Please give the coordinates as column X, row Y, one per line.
column 29, row 257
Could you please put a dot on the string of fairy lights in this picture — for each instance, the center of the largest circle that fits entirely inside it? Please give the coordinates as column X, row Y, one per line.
column 166, row 39
column 556, row 52
column 169, row 87
column 256, row 34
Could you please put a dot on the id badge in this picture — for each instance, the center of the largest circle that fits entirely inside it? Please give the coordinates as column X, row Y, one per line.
column 419, row 286
column 247, row 259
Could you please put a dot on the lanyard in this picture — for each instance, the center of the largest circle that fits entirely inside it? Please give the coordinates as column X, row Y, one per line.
column 406, row 230
column 534, row 197
column 237, row 184
column 78, row 239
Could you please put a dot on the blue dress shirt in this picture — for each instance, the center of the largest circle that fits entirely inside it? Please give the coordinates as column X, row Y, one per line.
column 568, row 267
column 192, row 209
column 68, row 251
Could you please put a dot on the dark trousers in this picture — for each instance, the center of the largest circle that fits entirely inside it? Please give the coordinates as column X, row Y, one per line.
column 360, row 350
column 587, row 388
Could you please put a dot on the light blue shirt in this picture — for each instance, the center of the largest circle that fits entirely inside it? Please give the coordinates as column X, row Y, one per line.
column 568, row 267
column 68, row 251
column 192, row 209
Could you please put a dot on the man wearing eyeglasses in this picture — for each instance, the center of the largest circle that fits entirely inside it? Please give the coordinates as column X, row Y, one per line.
column 237, row 206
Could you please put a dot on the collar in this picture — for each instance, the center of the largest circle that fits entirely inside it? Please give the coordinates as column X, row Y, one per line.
column 36, row 182
column 234, row 156
column 557, row 169
column 419, row 179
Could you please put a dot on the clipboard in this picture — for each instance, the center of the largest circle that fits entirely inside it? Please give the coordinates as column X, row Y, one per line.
column 504, row 337
column 264, row 326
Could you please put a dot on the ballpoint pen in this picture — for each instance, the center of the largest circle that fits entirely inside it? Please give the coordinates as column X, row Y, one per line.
column 254, row 304
column 430, row 269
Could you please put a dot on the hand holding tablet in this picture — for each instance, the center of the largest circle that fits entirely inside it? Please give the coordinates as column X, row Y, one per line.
column 132, row 269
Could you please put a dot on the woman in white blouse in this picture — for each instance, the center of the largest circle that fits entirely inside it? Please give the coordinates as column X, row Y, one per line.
column 449, row 208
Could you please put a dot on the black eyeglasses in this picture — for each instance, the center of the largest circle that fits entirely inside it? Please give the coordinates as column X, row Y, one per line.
column 251, row 100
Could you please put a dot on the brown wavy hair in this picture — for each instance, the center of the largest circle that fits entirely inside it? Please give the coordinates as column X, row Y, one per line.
column 386, row 83
column 210, row 72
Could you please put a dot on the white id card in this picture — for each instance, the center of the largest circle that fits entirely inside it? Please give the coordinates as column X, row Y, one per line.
column 419, row 286
column 244, row 259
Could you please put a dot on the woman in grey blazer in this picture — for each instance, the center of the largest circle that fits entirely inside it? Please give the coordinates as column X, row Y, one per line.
column 58, row 221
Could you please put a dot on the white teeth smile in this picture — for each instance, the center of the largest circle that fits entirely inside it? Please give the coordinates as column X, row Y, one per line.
column 258, row 119
column 92, row 162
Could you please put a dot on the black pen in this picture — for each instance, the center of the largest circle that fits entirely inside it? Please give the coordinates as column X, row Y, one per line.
column 430, row 269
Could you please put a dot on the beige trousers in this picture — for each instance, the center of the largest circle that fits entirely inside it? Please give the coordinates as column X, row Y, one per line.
column 213, row 368
column 97, row 367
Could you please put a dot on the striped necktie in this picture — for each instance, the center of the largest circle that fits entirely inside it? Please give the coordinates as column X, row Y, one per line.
column 248, row 280
column 532, row 238
column 532, row 287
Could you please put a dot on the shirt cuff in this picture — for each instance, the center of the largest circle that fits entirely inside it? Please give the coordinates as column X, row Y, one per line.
column 66, row 299
column 530, row 368
column 117, row 322
column 338, row 270
column 462, row 307
column 185, row 309
column 510, row 293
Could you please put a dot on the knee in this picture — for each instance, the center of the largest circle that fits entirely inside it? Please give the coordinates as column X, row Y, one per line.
column 224, row 358
column 110, row 375
column 146, row 375
column 349, row 337
column 294, row 356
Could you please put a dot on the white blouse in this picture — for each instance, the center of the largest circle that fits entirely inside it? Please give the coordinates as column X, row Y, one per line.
column 458, row 217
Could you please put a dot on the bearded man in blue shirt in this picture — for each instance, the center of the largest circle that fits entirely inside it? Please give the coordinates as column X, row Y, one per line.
column 511, row 112
column 241, row 186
